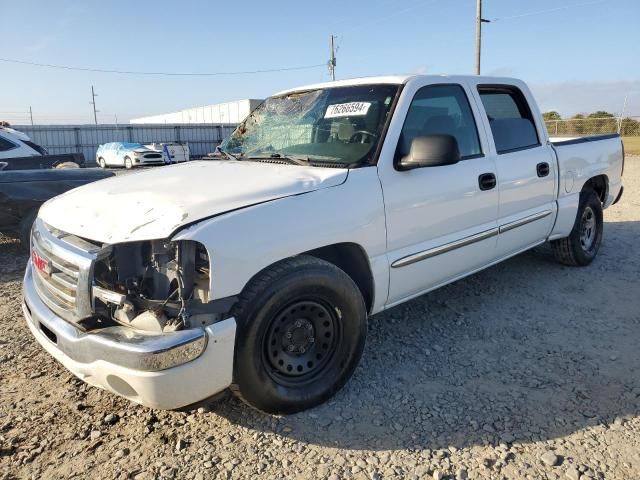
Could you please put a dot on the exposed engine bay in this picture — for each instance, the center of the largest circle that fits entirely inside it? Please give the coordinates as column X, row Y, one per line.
column 156, row 286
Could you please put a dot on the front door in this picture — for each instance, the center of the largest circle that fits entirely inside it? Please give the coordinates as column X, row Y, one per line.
column 441, row 221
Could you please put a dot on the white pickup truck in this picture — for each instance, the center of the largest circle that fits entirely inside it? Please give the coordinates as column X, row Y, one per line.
column 334, row 202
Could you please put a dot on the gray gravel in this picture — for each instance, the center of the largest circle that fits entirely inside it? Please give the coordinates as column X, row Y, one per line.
column 527, row 370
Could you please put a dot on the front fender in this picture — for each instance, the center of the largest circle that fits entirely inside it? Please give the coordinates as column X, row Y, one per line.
column 243, row 242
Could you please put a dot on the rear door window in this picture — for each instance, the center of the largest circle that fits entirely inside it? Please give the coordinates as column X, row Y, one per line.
column 510, row 117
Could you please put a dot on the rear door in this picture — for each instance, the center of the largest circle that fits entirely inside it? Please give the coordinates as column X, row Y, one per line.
column 526, row 166
column 441, row 222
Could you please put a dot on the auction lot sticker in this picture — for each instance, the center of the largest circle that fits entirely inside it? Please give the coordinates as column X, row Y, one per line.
column 347, row 109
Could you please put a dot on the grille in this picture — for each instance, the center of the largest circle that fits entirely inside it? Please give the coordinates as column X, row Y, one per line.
column 57, row 282
column 153, row 155
column 63, row 270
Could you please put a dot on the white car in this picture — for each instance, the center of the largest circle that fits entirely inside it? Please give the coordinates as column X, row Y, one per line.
column 336, row 201
column 128, row 155
column 15, row 144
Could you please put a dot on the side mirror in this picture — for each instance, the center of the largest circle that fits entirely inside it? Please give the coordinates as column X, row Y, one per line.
column 431, row 151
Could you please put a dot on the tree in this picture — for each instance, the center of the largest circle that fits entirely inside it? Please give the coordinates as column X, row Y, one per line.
column 601, row 114
column 602, row 122
column 551, row 116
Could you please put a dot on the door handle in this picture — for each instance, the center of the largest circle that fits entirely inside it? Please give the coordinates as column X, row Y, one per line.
column 487, row 181
column 542, row 169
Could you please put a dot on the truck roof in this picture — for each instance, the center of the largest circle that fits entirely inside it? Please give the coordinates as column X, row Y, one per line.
column 395, row 79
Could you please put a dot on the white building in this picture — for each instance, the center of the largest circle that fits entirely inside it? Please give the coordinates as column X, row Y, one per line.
column 230, row 112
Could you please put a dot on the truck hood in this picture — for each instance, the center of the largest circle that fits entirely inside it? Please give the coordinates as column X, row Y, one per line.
column 155, row 203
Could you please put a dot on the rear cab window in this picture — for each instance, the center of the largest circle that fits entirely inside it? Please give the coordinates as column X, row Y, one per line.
column 510, row 118
column 441, row 110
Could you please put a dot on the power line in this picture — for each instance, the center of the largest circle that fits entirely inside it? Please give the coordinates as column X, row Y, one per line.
column 550, row 10
column 170, row 74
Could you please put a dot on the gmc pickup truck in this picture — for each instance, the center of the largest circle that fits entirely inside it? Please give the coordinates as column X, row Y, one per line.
column 333, row 202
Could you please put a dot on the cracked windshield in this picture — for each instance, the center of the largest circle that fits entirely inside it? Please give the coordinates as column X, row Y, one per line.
column 334, row 126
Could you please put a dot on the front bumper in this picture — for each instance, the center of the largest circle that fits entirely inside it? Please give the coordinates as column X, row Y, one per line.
column 164, row 371
column 149, row 161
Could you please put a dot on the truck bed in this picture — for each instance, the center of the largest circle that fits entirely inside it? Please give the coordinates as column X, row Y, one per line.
column 580, row 159
column 43, row 161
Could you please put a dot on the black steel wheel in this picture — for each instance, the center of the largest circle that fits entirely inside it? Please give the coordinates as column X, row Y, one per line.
column 301, row 331
column 301, row 339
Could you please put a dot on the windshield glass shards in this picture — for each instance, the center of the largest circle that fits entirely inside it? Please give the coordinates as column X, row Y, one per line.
column 339, row 126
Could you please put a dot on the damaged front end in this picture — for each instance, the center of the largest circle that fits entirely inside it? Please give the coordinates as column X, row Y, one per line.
column 156, row 286
column 133, row 318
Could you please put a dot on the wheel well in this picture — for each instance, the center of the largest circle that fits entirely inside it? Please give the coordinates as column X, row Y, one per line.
column 351, row 258
column 600, row 185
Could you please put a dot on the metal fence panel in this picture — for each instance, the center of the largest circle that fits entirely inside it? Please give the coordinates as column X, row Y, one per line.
column 202, row 138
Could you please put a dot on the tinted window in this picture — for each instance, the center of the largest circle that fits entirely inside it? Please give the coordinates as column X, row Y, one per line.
column 510, row 118
column 36, row 147
column 441, row 110
column 6, row 145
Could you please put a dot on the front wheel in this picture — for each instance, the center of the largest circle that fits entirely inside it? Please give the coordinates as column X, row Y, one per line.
column 102, row 163
column 583, row 243
column 24, row 229
column 127, row 163
column 302, row 325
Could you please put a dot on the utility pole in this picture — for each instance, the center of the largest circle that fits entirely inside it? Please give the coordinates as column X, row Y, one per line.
column 332, row 59
column 31, row 115
column 93, row 102
column 624, row 107
column 479, row 22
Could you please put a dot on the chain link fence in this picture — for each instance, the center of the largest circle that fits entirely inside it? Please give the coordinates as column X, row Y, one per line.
column 574, row 127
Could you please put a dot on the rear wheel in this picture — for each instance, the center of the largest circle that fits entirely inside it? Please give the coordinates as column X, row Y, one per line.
column 302, row 325
column 128, row 163
column 583, row 243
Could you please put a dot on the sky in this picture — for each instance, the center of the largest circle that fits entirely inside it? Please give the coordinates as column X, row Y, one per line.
column 577, row 55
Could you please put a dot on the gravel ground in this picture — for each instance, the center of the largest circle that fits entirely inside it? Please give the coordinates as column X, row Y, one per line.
column 527, row 370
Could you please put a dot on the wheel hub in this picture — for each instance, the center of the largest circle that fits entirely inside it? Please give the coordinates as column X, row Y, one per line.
column 301, row 339
column 587, row 228
column 299, row 336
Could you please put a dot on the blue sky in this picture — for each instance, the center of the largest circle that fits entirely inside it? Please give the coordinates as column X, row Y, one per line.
column 576, row 59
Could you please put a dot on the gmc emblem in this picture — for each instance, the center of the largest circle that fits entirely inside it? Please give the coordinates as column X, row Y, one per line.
column 40, row 263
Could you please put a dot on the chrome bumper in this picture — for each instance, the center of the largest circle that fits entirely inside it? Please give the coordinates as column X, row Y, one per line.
column 118, row 345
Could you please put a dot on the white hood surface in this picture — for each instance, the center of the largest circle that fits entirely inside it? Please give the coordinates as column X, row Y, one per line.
column 155, row 203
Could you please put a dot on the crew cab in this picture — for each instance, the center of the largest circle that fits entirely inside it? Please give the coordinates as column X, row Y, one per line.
column 332, row 202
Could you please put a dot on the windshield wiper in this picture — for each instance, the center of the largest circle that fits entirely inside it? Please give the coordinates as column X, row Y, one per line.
column 280, row 158
column 227, row 154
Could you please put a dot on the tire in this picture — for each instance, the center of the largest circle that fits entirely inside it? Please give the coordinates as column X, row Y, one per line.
column 102, row 163
column 67, row 165
column 127, row 163
column 24, row 229
column 302, row 325
column 583, row 243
